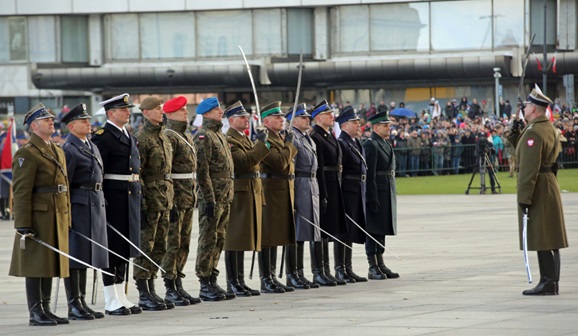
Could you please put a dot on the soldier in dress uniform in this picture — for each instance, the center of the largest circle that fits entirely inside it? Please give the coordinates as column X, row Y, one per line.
column 537, row 147
column 330, row 197
column 41, row 208
column 122, row 192
column 244, row 230
column 184, row 168
column 156, row 157
column 277, row 174
column 85, row 172
column 306, row 198
column 215, row 179
column 353, row 188
column 381, row 199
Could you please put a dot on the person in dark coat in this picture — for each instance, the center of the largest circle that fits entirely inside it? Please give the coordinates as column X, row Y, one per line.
column 41, row 209
column 353, row 188
column 122, row 192
column 306, row 197
column 330, row 198
column 381, row 195
column 85, row 174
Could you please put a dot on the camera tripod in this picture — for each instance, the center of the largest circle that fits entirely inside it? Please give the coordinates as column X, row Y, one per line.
column 483, row 164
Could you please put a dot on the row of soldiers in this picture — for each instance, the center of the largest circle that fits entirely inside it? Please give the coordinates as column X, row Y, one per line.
column 135, row 197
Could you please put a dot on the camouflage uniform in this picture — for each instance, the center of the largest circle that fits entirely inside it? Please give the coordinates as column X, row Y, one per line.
column 181, row 217
column 214, row 175
column 156, row 157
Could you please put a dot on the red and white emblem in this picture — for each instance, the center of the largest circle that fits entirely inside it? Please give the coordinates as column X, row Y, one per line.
column 530, row 142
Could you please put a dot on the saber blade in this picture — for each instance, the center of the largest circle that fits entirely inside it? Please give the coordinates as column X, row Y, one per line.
column 253, row 85
column 525, row 246
column 133, row 245
column 327, row 233
column 300, row 66
column 370, row 236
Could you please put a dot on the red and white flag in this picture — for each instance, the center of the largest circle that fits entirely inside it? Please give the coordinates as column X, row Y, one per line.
column 10, row 147
column 554, row 63
column 549, row 113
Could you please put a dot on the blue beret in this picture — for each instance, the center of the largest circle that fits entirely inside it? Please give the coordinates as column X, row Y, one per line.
column 207, row 105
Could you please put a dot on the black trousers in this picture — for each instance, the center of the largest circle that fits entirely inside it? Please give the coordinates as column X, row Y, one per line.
column 371, row 247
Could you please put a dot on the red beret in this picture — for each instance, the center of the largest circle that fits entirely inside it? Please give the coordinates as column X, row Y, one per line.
column 175, row 104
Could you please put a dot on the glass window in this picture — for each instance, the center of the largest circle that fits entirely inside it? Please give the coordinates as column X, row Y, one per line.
column 74, row 32
column 221, row 32
column 4, row 41
column 17, row 39
column 353, row 29
column 399, row 26
column 508, row 23
column 42, row 37
column 537, row 21
column 300, row 31
column 267, row 28
column 461, row 25
column 122, row 40
column 167, row 35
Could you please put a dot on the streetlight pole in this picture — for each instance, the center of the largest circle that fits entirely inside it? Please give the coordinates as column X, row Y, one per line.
column 171, row 73
column 545, row 51
column 497, row 77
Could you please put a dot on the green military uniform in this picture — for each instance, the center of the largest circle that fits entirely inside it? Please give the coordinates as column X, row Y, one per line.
column 156, row 158
column 214, row 176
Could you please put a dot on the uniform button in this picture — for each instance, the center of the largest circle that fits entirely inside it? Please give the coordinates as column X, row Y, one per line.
column 130, row 169
column 130, row 157
column 139, row 192
column 129, row 192
column 92, row 203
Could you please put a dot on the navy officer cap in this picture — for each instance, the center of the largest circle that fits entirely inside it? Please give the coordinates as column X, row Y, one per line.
column 39, row 111
column 300, row 111
column 119, row 101
column 322, row 107
column 236, row 110
column 348, row 114
column 78, row 112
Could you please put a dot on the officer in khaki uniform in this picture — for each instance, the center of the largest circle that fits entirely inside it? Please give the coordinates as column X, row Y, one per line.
column 244, row 230
column 537, row 147
column 183, row 173
column 215, row 179
column 156, row 156
column 41, row 208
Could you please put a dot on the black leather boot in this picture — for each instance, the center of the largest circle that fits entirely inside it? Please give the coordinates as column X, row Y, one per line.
column 267, row 284
column 82, row 288
column 241, row 274
column 339, row 257
column 183, row 293
column 173, row 295
column 146, row 300
column 273, row 251
column 547, row 284
column 293, row 280
column 316, row 250
column 33, row 298
column 207, row 292
column 300, row 271
column 215, row 285
column 388, row 273
column 349, row 266
column 72, row 287
column 374, row 272
column 152, row 290
column 46, row 287
column 233, row 285
column 557, row 269
column 326, row 266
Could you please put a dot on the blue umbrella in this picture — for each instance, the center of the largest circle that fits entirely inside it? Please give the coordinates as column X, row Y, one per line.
column 402, row 112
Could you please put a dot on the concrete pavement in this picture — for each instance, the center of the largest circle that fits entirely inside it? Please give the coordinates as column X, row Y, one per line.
column 461, row 274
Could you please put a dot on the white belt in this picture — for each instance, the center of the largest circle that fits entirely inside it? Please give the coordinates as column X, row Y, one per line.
column 183, row 176
column 129, row 178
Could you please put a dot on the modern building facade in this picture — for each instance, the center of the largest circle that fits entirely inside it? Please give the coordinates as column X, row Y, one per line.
column 71, row 51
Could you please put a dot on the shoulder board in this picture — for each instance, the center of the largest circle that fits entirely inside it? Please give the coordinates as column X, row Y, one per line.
column 530, row 126
column 100, row 131
column 66, row 145
column 27, row 145
column 313, row 132
column 370, row 139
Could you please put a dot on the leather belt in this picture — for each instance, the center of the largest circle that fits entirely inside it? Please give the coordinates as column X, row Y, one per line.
column 222, row 175
column 333, row 168
column 183, row 176
column 289, row 177
column 57, row 189
column 354, row 177
column 546, row 169
column 117, row 177
column 253, row 175
column 305, row 174
column 96, row 186
column 385, row 173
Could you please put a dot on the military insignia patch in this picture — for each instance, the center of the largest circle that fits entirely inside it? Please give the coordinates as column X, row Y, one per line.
column 99, row 132
column 530, row 142
column 20, row 162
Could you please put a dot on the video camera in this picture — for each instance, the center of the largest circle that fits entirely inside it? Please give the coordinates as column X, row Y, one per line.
column 483, row 146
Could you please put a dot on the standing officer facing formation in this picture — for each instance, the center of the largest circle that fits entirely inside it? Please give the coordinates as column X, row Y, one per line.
column 215, row 179
column 85, row 171
column 122, row 192
column 184, row 167
column 156, row 156
column 244, row 230
column 353, row 188
column 41, row 208
column 277, row 173
column 330, row 197
column 381, row 195
column 306, row 198
column 537, row 147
